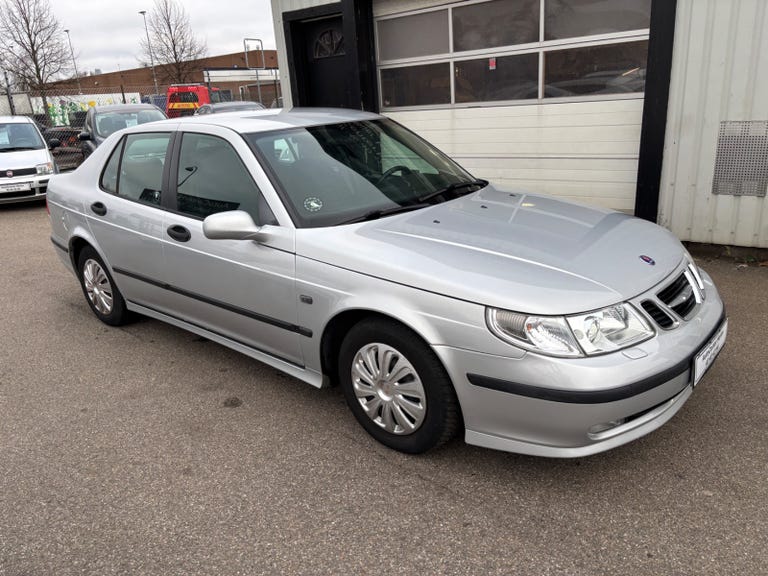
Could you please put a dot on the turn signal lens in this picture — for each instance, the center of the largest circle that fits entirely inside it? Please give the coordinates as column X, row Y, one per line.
column 546, row 334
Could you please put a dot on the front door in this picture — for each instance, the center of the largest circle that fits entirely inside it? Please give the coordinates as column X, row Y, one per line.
column 324, row 53
column 239, row 289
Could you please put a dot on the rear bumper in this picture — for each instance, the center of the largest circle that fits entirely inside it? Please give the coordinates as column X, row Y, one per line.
column 568, row 408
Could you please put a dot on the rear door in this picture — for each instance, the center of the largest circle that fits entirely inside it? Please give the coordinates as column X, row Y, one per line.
column 240, row 289
column 126, row 218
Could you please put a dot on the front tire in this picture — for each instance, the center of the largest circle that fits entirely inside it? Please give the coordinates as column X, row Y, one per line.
column 396, row 387
column 99, row 288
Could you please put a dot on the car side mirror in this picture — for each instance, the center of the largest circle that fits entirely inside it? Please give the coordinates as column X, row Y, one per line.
column 53, row 143
column 83, row 136
column 232, row 225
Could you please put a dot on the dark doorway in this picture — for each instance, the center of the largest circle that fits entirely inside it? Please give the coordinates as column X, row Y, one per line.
column 325, row 71
column 330, row 55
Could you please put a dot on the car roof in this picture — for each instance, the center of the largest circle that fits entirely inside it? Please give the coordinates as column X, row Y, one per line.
column 278, row 119
column 124, row 107
column 16, row 120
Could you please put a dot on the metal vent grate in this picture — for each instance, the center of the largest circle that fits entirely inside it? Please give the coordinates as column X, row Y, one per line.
column 660, row 317
column 679, row 296
column 741, row 165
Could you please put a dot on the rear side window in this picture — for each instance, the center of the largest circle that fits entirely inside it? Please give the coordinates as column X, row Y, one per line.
column 135, row 169
column 109, row 176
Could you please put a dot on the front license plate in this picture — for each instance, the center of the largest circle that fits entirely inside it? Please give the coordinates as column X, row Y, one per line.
column 707, row 355
column 20, row 187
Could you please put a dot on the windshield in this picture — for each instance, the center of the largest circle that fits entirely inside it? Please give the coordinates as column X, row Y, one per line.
column 19, row 136
column 110, row 122
column 338, row 173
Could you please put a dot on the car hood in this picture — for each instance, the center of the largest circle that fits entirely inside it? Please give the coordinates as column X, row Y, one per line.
column 507, row 249
column 23, row 159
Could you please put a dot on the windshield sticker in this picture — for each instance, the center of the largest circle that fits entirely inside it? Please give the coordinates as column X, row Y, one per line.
column 313, row 204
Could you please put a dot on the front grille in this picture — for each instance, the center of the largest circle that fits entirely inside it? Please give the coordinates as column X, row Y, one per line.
column 19, row 172
column 659, row 316
column 679, row 296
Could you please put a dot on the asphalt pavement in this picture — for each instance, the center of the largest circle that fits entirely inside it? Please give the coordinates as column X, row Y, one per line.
column 148, row 450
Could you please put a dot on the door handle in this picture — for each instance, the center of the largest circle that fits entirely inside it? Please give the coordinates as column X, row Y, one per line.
column 179, row 233
column 98, row 208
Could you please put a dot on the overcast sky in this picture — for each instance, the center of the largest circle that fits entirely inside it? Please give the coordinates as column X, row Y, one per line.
column 106, row 33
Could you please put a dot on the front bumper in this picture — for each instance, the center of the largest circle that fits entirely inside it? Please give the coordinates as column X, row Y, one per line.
column 564, row 407
column 23, row 188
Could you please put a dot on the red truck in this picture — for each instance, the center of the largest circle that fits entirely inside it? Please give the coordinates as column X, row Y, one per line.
column 184, row 99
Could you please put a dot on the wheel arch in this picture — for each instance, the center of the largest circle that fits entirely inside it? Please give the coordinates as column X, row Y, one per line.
column 338, row 327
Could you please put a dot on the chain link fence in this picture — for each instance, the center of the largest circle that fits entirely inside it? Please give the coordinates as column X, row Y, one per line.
column 60, row 112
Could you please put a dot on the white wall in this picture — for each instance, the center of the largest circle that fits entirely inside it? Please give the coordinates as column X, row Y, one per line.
column 585, row 151
column 719, row 73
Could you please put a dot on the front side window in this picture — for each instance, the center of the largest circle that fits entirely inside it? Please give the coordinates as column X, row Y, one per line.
column 212, row 178
column 332, row 174
column 141, row 165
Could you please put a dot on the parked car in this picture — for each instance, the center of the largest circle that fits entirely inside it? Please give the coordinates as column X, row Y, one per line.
column 102, row 121
column 228, row 107
column 68, row 155
column 26, row 163
column 339, row 247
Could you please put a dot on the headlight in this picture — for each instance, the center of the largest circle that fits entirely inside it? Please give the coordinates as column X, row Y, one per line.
column 609, row 329
column 46, row 168
column 598, row 332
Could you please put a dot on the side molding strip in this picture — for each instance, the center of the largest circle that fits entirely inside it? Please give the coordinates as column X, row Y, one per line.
column 223, row 305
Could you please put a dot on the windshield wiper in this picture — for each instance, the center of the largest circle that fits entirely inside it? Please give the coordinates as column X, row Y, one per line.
column 375, row 214
column 452, row 188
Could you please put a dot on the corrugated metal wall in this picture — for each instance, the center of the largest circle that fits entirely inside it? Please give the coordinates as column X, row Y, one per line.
column 719, row 73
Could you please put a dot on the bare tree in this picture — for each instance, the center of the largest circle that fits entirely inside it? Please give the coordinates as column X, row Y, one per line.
column 33, row 44
column 172, row 45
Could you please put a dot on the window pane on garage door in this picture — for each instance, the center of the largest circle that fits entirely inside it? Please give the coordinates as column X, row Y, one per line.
column 494, row 24
column 609, row 69
column 572, row 18
column 412, row 36
column 416, row 85
column 503, row 78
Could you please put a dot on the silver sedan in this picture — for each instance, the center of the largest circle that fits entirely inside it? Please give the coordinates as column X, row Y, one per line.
column 339, row 247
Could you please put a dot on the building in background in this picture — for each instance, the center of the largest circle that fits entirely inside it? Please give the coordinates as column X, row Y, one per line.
column 653, row 107
column 228, row 72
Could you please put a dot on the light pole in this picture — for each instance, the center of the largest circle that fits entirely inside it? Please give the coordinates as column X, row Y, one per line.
column 149, row 47
column 74, row 62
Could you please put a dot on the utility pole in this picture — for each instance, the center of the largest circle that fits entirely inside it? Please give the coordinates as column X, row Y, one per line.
column 149, row 47
column 74, row 63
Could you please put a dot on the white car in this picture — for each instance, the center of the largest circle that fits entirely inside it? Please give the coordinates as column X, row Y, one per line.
column 26, row 163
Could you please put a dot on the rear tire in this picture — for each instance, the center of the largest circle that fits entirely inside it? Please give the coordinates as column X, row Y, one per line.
column 99, row 288
column 396, row 387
